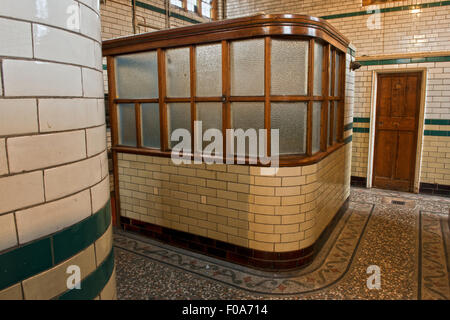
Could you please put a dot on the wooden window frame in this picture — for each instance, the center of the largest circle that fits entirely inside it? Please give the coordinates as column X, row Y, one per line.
column 226, row 99
column 213, row 14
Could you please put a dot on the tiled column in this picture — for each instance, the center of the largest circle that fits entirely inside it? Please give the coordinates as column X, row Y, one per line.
column 54, row 187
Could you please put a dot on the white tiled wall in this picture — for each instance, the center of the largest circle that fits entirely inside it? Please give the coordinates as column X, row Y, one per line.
column 53, row 164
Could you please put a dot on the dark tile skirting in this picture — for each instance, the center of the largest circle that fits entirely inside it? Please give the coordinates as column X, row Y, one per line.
column 263, row 260
column 358, row 181
column 435, row 189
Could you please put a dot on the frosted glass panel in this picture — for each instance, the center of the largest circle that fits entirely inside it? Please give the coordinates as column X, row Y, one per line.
column 210, row 114
column 336, row 75
column 150, row 125
column 329, row 122
column 289, row 63
column 317, row 109
column 318, row 64
column 247, row 115
column 209, row 70
column 137, row 75
column 127, row 124
column 178, row 72
column 247, row 68
column 290, row 119
column 330, row 80
column 178, row 116
column 335, row 123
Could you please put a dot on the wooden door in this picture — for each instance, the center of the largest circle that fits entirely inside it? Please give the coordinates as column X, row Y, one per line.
column 396, row 127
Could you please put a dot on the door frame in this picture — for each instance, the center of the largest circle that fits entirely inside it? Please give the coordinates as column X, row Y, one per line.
column 420, row 128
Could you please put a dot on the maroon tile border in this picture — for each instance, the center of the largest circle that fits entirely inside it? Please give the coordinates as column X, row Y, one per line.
column 262, row 260
column 358, row 181
column 435, row 189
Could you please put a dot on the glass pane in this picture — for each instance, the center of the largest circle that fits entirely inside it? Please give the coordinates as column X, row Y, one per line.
column 247, row 67
column 317, row 110
column 290, row 119
column 247, row 115
column 178, row 72
column 336, row 113
column 209, row 70
column 192, row 5
column 336, row 75
column 178, row 3
column 206, row 9
column 127, row 124
column 329, row 74
column 137, row 75
column 150, row 125
column 329, row 122
column 210, row 114
column 289, row 64
column 178, row 116
column 318, row 65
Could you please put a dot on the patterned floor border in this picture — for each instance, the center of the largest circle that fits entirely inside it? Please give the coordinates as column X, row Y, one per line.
column 329, row 269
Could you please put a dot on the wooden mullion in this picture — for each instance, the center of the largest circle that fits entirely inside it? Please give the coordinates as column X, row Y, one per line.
column 310, row 94
column 342, row 70
column 267, row 88
column 332, row 104
column 226, row 122
column 162, row 97
column 112, row 95
column 193, row 92
column 199, row 8
column 137, row 113
column 325, row 94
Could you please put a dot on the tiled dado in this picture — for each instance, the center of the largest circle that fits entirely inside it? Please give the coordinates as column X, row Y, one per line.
column 272, row 261
column 236, row 204
column 43, row 263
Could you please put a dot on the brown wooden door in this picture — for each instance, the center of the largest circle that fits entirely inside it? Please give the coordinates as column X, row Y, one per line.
column 396, row 129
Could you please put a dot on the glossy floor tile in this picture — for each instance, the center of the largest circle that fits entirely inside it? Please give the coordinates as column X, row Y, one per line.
column 405, row 236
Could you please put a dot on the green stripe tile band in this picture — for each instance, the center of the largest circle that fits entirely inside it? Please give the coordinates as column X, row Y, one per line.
column 436, row 133
column 360, row 130
column 348, row 139
column 361, row 120
column 404, row 61
column 163, row 11
column 442, row 122
column 348, row 126
column 386, row 10
column 30, row 259
column 93, row 284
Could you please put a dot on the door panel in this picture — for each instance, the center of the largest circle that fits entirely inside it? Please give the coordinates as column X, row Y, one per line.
column 396, row 130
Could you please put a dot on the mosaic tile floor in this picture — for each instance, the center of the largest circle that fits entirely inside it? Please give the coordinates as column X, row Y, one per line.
column 405, row 235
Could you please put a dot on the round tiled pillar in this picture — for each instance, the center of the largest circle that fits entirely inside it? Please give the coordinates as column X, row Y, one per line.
column 55, row 222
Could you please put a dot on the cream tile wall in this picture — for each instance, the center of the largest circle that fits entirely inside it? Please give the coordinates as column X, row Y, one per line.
column 53, row 166
column 424, row 31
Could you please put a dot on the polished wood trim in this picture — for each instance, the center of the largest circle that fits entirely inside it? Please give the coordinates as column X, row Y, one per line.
column 294, row 160
column 259, row 25
column 171, row 100
column 408, row 55
column 342, row 81
column 325, row 91
column 225, row 91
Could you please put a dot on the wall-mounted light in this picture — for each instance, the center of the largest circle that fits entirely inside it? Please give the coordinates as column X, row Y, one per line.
column 416, row 10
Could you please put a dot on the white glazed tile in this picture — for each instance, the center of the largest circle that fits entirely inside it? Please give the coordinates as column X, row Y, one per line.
column 96, row 140
column 34, row 78
column 18, row 116
column 76, row 49
column 90, row 23
column 8, row 236
column 100, row 195
column 51, row 217
column 17, row 36
column 92, row 83
column 45, row 150
column 20, row 191
column 67, row 114
column 61, row 13
column 65, row 180
column 3, row 161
